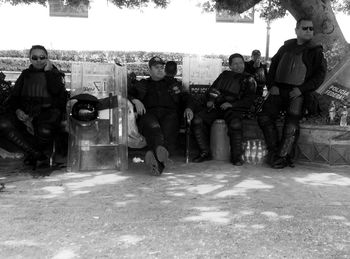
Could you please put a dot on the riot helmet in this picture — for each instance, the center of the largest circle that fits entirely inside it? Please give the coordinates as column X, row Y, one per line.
column 85, row 110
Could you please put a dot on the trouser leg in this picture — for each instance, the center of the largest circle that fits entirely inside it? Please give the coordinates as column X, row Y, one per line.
column 267, row 122
column 150, row 128
column 291, row 127
column 234, row 122
column 169, row 123
column 11, row 130
column 201, row 129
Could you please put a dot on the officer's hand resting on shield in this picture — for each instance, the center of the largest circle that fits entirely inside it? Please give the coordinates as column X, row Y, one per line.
column 140, row 108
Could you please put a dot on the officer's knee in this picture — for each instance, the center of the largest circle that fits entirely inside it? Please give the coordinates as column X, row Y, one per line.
column 44, row 132
column 197, row 121
column 5, row 125
column 235, row 125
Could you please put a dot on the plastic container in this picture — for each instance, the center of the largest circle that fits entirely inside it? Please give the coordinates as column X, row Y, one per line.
column 219, row 141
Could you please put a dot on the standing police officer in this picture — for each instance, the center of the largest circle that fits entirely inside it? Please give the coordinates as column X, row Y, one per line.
column 297, row 69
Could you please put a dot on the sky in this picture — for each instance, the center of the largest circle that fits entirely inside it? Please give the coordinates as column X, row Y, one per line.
column 182, row 27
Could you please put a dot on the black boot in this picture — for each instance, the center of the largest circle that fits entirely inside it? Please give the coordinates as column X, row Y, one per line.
column 271, row 140
column 236, row 148
column 202, row 140
column 284, row 158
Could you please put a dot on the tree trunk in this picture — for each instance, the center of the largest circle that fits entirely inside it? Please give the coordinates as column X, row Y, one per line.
column 327, row 30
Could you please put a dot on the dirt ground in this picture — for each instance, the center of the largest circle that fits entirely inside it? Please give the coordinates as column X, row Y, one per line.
column 207, row 210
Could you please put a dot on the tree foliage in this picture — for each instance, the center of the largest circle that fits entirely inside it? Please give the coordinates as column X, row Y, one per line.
column 269, row 10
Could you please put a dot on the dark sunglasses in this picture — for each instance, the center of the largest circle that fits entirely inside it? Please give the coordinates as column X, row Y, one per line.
column 37, row 58
column 307, row 27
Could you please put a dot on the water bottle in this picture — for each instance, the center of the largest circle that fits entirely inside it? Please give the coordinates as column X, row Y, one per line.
column 253, row 153
column 259, row 154
column 265, row 91
column 344, row 117
column 247, row 152
column 332, row 112
column 244, row 146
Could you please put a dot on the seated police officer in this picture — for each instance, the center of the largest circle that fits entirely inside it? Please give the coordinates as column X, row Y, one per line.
column 156, row 100
column 230, row 97
column 258, row 69
column 35, row 107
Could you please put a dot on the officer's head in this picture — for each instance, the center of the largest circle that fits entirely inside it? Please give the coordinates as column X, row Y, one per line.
column 156, row 68
column 256, row 55
column 38, row 56
column 236, row 63
column 304, row 30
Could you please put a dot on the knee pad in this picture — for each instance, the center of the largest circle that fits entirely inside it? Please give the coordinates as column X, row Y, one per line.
column 197, row 121
column 235, row 125
column 154, row 126
column 5, row 125
column 44, row 132
column 291, row 129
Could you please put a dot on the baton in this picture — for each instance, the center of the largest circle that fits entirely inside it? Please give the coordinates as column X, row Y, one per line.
column 188, row 132
column 110, row 114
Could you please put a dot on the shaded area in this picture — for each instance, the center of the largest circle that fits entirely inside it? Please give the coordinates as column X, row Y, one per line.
column 207, row 210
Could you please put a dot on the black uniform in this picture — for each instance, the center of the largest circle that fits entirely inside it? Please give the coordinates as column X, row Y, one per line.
column 41, row 95
column 301, row 66
column 238, row 90
column 162, row 100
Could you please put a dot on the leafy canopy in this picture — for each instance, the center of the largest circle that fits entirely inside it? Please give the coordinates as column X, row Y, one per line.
column 269, row 10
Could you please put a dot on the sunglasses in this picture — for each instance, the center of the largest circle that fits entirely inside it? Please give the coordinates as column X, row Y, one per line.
column 310, row 28
column 38, row 58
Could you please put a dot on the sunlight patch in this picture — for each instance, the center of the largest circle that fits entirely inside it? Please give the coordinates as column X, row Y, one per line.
column 335, row 217
column 129, row 239
column 270, row 214
column 204, row 188
column 124, row 203
column 324, row 179
column 165, row 202
column 129, row 195
column 219, row 217
column 67, row 176
column 246, row 212
column 20, row 243
column 220, row 176
column 176, row 194
column 78, row 192
column 206, row 208
column 210, row 214
column 243, row 187
column 258, row 226
column 274, row 216
column 97, row 180
column 54, row 191
column 65, row 254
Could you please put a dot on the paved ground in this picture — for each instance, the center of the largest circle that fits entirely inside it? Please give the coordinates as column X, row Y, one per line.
column 208, row 210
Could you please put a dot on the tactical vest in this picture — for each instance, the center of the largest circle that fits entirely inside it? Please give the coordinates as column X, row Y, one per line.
column 291, row 69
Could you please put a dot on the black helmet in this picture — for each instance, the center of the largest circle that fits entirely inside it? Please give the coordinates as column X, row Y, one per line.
column 85, row 110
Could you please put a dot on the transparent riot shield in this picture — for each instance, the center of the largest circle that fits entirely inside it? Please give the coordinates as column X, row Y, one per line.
column 102, row 143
